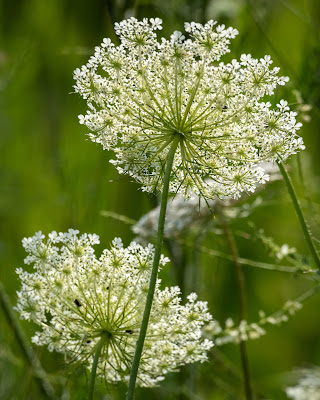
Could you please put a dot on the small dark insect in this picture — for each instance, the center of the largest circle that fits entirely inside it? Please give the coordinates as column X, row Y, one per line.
column 225, row 107
column 108, row 288
column 77, row 303
column 129, row 331
column 88, row 341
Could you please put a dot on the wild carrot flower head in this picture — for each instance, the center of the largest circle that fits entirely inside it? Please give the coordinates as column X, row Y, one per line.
column 144, row 92
column 76, row 299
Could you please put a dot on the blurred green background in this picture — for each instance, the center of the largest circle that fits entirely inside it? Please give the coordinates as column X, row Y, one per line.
column 54, row 178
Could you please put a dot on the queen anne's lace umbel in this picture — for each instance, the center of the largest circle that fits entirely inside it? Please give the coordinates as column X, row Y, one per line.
column 76, row 298
column 143, row 93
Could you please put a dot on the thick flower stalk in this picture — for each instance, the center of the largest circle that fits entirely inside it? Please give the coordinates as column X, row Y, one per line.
column 91, row 309
column 144, row 93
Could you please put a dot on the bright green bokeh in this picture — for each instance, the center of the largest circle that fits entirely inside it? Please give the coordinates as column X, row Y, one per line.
column 54, row 178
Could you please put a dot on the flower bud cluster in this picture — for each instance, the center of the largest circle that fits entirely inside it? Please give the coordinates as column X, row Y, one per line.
column 231, row 333
column 144, row 93
column 76, row 299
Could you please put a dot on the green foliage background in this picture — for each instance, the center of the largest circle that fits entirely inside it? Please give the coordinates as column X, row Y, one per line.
column 53, row 178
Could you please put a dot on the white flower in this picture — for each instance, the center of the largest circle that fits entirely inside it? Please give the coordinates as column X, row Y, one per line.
column 76, row 299
column 144, row 93
column 156, row 23
column 285, row 251
column 308, row 387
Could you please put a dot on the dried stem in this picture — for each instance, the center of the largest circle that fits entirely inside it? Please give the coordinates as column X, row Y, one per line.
column 242, row 304
column 28, row 353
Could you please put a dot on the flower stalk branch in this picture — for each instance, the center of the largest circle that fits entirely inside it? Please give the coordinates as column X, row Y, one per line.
column 301, row 218
column 104, row 339
column 155, row 266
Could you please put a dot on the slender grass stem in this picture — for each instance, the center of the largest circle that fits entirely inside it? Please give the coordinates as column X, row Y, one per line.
column 242, row 261
column 104, row 338
column 242, row 305
column 154, row 272
column 301, row 218
column 28, row 353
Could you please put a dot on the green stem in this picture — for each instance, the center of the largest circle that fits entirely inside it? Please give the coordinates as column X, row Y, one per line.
column 154, row 272
column 38, row 372
column 242, row 305
column 299, row 214
column 104, row 338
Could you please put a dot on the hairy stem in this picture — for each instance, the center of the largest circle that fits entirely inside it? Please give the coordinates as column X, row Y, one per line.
column 297, row 207
column 155, row 266
column 28, row 353
column 104, row 338
column 242, row 305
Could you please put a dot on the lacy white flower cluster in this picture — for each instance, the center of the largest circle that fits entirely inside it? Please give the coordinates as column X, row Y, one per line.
column 76, row 298
column 144, row 93
column 308, row 387
column 246, row 331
